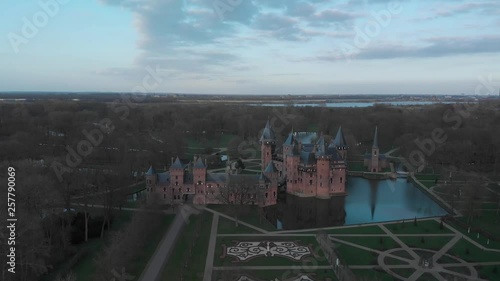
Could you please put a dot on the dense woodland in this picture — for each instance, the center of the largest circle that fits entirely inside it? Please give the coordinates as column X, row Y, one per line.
column 37, row 137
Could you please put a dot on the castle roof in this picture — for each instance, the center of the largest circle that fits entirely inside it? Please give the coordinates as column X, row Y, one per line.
column 307, row 158
column 268, row 133
column 199, row 164
column 340, row 139
column 164, row 178
column 290, row 139
column 375, row 138
column 270, row 168
column 177, row 164
column 151, row 171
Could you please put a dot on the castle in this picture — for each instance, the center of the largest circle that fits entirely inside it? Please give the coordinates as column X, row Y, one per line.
column 305, row 164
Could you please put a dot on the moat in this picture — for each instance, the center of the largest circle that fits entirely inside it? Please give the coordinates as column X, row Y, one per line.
column 368, row 201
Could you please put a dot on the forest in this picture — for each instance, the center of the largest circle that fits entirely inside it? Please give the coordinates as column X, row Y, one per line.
column 63, row 149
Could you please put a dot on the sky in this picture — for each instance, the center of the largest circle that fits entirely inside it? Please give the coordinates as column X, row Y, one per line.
column 250, row 46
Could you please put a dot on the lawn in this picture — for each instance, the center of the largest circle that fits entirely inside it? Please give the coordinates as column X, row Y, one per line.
column 489, row 221
column 195, row 236
column 428, row 184
column 369, row 274
column 430, row 243
column 373, row 229
column 268, row 261
column 227, row 226
column 138, row 264
column 275, row 274
column 473, row 235
column 248, row 214
column 489, row 272
column 356, row 256
column 356, row 166
column 427, row 177
column 422, row 227
column 468, row 252
column 377, row 243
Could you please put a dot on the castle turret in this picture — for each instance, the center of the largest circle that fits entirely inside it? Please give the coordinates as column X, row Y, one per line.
column 267, row 144
column 199, row 172
column 340, row 143
column 151, row 178
column 177, row 173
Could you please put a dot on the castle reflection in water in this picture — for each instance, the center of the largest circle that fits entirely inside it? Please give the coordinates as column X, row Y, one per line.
column 367, row 201
column 294, row 212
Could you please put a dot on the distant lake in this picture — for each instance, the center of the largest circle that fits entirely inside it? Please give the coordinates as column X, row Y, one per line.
column 354, row 104
column 368, row 201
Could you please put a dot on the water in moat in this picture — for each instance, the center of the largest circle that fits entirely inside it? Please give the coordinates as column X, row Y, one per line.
column 368, row 201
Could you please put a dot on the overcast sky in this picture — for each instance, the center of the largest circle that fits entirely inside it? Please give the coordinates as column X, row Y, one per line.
column 250, row 46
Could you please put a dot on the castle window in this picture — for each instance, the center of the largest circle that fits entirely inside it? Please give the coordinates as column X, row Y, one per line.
column 331, row 180
column 176, row 177
column 310, row 182
column 179, row 190
column 188, row 190
column 340, row 179
column 176, row 183
column 164, row 189
column 274, row 194
column 173, row 190
column 266, row 194
column 295, row 181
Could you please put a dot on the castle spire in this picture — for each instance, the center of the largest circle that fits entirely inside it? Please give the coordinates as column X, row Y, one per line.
column 268, row 133
column 340, row 139
column 375, row 138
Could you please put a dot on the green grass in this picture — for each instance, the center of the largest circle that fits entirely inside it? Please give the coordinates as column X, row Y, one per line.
column 377, row 243
column 373, row 229
column 356, row 166
column 138, row 264
column 248, row 214
column 489, row 272
column 404, row 272
column 422, row 227
column 427, row 177
column 474, row 254
column 370, row 274
column 227, row 226
column 430, row 243
column 356, row 256
column 428, row 184
column 473, row 235
column 275, row 274
column 267, row 261
column 196, row 234
column 427, row 277
column 488, row 221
